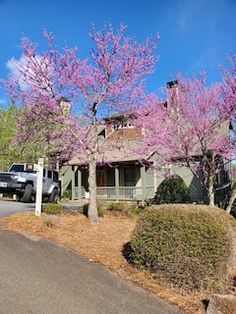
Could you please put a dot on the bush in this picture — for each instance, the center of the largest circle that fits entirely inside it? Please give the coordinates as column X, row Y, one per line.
column 125, row 208
column 67, row 194
column 52, row 208
column 172, row 190
column 116, row 206
column 134, row 210
column 188, row 246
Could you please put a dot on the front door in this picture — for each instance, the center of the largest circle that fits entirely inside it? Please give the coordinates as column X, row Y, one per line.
column 101, row 178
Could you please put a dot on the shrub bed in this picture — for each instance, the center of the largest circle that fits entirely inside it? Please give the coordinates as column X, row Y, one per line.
column 127, row 209
column 52, row 208
column 187, row 245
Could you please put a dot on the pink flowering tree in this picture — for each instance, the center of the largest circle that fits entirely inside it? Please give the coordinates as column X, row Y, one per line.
column 191, row 129
column 34, row 86
column 110, row 80
column 229, row 95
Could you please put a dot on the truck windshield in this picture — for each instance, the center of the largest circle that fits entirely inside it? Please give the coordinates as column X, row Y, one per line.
column 20, row 168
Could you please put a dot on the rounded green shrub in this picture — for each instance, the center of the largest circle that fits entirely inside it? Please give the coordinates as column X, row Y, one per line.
column 52, row 208
column 186, row 245
column 172, row 190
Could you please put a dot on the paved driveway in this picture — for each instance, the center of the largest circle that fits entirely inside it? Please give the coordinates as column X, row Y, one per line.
column 12, row 207
column 37, row 276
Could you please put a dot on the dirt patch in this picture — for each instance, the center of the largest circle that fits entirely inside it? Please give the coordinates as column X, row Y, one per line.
column 102, row 243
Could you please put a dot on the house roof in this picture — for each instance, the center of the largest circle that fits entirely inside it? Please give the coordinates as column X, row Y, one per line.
column 127, row 150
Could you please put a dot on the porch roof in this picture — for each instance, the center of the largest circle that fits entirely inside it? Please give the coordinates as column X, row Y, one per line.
column 125, row 151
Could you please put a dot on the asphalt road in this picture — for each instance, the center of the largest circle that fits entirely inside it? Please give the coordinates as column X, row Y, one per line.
column 11, row 207
column 38, row 276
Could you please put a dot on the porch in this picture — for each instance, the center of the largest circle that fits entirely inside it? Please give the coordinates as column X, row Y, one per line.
column 124, row 181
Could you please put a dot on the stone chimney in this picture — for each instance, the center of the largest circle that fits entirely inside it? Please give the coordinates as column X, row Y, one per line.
column 172, row 90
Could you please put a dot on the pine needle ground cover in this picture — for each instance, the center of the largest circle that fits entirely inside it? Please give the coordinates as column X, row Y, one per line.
column 104, row 243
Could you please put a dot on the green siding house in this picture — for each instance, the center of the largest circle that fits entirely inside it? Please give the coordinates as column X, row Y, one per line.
column 126, row 179
column 122, row 173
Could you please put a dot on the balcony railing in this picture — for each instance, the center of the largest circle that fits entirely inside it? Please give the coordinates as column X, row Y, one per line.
column 118, row 193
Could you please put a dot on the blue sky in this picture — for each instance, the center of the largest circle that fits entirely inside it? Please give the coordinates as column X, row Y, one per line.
column 195, row 35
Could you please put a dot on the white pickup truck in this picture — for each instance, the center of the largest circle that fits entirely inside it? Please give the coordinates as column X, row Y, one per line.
column 20, row 180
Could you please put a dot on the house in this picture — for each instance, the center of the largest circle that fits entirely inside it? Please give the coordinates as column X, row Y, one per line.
column 125, row 176
column 123, row 173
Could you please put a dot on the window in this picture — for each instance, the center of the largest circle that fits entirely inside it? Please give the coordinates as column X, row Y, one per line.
column 76, row 181
column 120, row 125
column 49, row 174
column 129, row 176
column 21, row 168
column 17, row 168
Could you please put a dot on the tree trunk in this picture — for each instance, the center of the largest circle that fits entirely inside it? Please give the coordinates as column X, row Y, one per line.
column 231, row 200
column 92, row 210
column 211, row 192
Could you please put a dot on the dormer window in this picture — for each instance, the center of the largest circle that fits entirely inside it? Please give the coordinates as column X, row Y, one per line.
column 120, row 125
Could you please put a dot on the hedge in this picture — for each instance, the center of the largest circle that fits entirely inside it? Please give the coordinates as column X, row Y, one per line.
column 189, row 246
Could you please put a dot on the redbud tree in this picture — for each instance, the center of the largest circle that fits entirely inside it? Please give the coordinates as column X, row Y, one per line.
column 229, row 94
column 191, row 129
column 111, row 79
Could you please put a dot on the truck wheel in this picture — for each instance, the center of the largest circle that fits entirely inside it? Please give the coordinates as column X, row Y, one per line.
column 26, row 198
column 53, row 198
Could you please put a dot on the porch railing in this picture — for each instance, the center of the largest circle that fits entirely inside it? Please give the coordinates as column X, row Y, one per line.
column 118, row 193
column 78, row 193
column 122, row 192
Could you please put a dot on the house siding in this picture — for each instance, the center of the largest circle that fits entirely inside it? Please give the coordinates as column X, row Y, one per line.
column 194, row 185
column 66, row 175
column 125, row 133
column 149, row 183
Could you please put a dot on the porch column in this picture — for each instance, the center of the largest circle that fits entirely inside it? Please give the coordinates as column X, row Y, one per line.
column 79, row 183
column 155, row 176
column 117, row 182
column 143, row 182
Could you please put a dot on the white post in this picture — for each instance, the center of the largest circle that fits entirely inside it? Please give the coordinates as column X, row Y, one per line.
column 39, row 187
